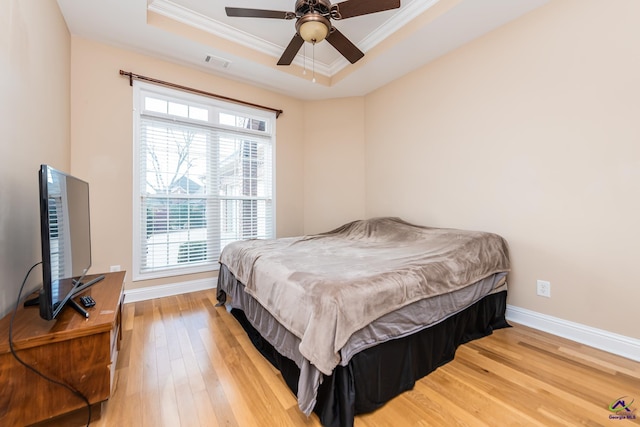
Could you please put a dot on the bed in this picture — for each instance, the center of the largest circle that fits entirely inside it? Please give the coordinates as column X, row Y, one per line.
column 354, row 316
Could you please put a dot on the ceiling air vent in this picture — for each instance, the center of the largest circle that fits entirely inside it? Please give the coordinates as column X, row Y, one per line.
column 216, row 61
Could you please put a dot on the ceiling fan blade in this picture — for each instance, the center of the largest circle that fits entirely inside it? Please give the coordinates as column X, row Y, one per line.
column 258, row 13
column 351, row 8
column 291, row 51
column 344, row 46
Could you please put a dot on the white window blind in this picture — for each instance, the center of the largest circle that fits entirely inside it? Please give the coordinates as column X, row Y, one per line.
column 57, row 229
column 204, row 178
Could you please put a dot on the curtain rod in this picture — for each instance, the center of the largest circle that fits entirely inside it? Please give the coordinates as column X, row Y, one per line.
column 198, row 91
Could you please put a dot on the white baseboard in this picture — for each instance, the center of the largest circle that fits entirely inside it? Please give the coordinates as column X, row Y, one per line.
column 608, row 341
column 151, row 292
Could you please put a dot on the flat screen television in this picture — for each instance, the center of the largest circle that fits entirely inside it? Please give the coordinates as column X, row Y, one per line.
column 65, row 238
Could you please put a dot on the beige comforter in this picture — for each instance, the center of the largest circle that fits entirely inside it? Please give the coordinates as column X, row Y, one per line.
column 325, row 287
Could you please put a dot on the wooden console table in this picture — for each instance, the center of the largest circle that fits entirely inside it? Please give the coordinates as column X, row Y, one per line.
column 77, row 351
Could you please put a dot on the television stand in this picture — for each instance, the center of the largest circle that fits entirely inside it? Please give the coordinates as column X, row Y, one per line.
column 80, row 352
column 77, row 307
column 32, row 302
column 82, row 286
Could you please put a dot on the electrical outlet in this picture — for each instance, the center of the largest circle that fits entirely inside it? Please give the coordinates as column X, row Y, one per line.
column 114, row 268
column 543, row 288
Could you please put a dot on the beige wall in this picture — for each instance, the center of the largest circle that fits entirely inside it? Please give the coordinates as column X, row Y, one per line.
column 333, row 163
column 102, row 151
column 533, row 132
column 34, row 118
column 529, row 132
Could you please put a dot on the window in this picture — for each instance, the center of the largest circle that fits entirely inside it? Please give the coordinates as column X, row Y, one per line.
column 203, row 177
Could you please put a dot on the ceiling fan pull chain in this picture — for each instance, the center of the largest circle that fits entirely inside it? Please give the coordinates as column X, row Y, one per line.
column 313, row 53
column 304, row 59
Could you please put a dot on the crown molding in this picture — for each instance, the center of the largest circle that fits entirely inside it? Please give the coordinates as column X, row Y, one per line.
column 197, row 20
column 397, row 21
column 390, row 26
column 201, row 22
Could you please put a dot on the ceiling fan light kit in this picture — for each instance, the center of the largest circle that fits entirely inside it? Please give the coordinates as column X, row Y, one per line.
column 313, row 23
column 313, row 27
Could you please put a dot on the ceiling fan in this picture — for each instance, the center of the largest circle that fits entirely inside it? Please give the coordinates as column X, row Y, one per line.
column 313, row 23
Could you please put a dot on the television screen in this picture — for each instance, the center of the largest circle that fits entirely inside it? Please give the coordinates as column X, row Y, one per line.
column 65, row 236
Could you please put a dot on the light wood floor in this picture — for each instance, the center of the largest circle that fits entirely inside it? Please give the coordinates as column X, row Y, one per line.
column 186, row 363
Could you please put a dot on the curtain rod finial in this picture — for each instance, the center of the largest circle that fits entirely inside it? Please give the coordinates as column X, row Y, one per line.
column 124, row 73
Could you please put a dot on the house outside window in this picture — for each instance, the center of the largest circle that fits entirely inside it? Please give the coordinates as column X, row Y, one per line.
column 203, row 177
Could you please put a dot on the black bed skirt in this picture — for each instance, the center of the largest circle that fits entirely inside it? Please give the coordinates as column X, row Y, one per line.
column 376, row 375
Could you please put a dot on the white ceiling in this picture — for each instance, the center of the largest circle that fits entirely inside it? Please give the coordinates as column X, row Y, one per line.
column 395, row 42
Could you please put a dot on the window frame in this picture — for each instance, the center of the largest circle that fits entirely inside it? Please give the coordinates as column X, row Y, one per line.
column 214, row 107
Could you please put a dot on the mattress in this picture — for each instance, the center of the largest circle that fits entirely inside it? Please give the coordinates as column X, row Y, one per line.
column 325, row 287
column 320, row 300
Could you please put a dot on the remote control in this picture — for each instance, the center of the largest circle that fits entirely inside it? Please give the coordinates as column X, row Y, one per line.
column 87, row 301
